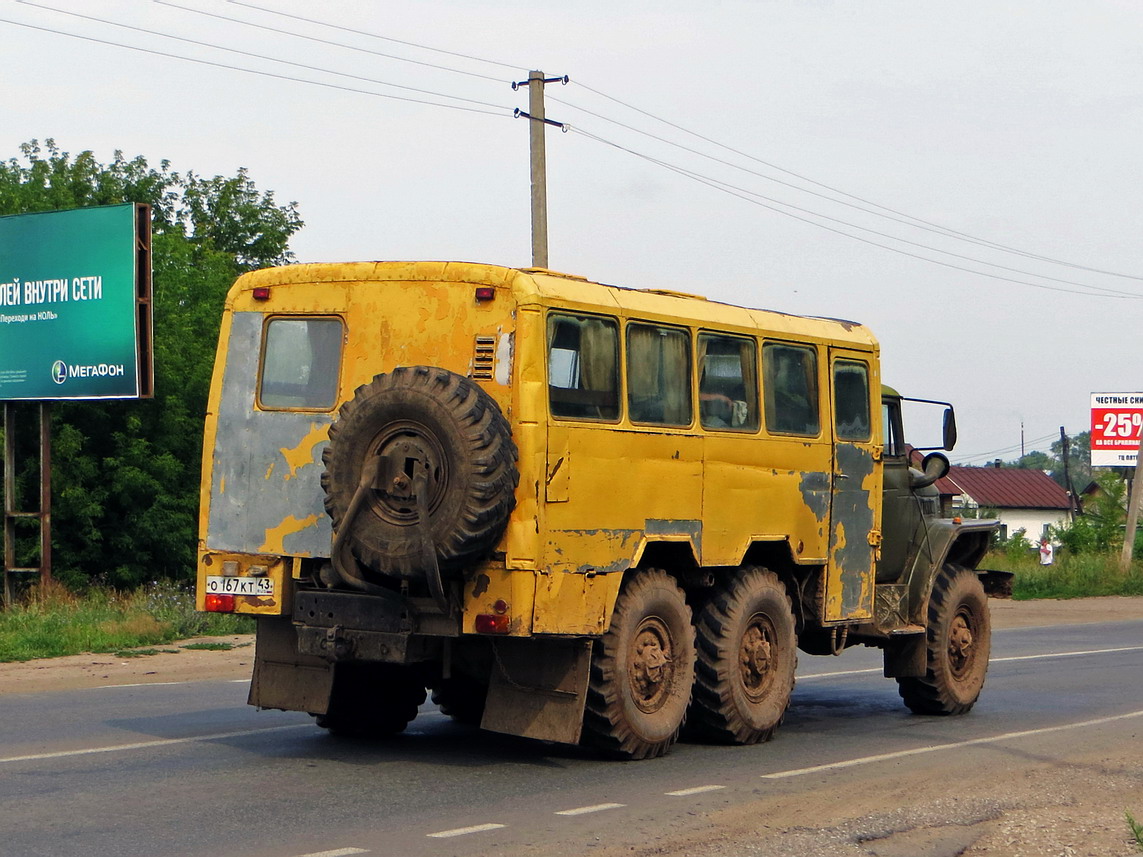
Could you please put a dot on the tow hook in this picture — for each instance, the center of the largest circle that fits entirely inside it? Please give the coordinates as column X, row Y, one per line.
column 336, row 647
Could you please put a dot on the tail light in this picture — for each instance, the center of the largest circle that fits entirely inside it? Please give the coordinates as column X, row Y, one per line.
column 219, row 603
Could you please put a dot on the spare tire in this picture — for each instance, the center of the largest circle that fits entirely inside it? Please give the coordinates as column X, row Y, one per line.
column 428, row 427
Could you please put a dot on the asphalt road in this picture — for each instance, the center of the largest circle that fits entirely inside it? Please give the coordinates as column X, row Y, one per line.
column 188, row 769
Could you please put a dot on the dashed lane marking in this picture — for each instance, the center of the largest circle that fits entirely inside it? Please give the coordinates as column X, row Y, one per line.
column 336, row 852
column 1008, row 659
column 464, row 831
column 936, row 748
column 695, row 790
column 146, row 745
column 584, row 810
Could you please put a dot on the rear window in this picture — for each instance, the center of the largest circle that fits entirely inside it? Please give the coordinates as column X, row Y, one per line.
column 301, row 359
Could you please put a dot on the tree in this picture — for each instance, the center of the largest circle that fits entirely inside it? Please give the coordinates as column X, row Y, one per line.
column 1079, row 461
column 126, row 474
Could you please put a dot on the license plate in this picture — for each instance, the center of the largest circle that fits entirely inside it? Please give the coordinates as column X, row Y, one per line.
column 218, row 585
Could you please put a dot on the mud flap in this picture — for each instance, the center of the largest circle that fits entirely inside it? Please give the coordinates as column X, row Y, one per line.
column 282, row 677
column 538, row 688
column 906, row 656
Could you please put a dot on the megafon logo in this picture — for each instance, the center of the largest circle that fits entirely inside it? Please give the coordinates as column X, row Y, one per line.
column 59, row 371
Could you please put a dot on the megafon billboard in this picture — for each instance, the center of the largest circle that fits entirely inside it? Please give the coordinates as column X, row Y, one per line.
column 75, row 304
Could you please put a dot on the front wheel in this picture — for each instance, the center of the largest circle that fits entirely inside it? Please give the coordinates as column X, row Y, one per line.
column 958, row 641
column 642, row 670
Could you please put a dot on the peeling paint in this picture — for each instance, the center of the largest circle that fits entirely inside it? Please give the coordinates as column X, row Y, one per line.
column 814, row 488
column 276, row 536
column 303, row 453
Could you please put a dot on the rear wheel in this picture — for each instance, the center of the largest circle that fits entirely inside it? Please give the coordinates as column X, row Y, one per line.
column 371, row 700
column 461, row 698
column 958, row 641
column 746, row 661
column 642, row 670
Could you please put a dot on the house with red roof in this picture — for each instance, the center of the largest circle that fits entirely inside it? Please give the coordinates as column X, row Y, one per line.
column 1022, row 499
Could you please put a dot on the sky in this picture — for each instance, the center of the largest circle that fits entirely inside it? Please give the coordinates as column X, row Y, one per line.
column 754, row 152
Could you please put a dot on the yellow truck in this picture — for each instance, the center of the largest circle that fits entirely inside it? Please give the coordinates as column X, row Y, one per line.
column 574, row 511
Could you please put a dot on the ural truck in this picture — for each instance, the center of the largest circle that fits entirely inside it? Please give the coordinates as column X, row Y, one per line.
column 573, row 511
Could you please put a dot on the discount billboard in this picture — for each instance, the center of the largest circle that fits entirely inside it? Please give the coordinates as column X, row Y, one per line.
column 75, row 304
column 1116, row 420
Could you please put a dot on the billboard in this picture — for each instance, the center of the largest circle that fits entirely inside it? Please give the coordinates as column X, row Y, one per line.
column 75, row 304
column 1116, row 419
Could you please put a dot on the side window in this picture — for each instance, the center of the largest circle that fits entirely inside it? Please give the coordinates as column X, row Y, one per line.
column 658, row 375
column 891, row 423
column 301, row 361
column 851, row 400
column 583, row 367
column 728, row 383
column 791, row 387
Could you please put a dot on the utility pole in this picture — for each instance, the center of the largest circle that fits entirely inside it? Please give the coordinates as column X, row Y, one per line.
column 1132, row 511
column 539, row 165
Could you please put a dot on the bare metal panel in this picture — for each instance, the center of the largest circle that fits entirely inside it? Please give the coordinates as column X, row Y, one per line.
column 265, row 494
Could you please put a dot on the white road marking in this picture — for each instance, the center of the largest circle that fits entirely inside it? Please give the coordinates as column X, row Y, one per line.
column 696, row 790
column 336, row 852
column 1009, row 659
column 935, row 748
column 584, row 810
column 141, row 684
column 463, row 831
column 1067, row 654
column 145, row 745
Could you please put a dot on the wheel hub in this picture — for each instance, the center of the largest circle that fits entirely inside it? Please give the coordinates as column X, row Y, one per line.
column 650, row 664
column 409, row 456
column 756, row 656
column 962, row 643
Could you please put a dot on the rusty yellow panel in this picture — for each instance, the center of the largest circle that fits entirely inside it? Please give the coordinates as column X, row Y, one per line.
column 556, row 481
column 497, row 590
column 574, row 603
column 766, row 489
column 245, row 570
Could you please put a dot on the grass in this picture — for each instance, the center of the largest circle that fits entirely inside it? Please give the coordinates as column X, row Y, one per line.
column 1070, row 576
column 53, row 621
column 210, row 647
column 1136, row 831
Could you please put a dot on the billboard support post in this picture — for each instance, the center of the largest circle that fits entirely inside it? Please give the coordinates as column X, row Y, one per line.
column 1132, row 511
column 12, row 513
column 76, row 318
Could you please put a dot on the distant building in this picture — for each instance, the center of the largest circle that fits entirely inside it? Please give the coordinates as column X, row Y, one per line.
column 1020, row 499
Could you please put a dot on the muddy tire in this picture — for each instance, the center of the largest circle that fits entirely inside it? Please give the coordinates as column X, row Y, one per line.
column 642, row 670
column 958, row 641
column 432, row 423
column 372, row 700
column 461, row 698
column 747, row 656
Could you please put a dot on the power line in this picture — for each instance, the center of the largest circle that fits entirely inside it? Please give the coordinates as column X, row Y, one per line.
column 258, row 72
column 918, row 222
column 252, row 55
column 851, row 205
column 322, row 41
column 514, row 68
column 754, row 198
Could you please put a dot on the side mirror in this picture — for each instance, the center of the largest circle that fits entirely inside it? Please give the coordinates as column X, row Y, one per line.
column 949, row 429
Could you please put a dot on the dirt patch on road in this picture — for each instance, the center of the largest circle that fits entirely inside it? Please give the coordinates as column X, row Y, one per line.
column 177, row 663
column 173, row 662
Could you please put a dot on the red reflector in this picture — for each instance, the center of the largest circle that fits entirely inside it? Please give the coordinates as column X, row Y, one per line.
column 219, row 603
column 262, row 293
column 485, row 293
column 491, row 623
